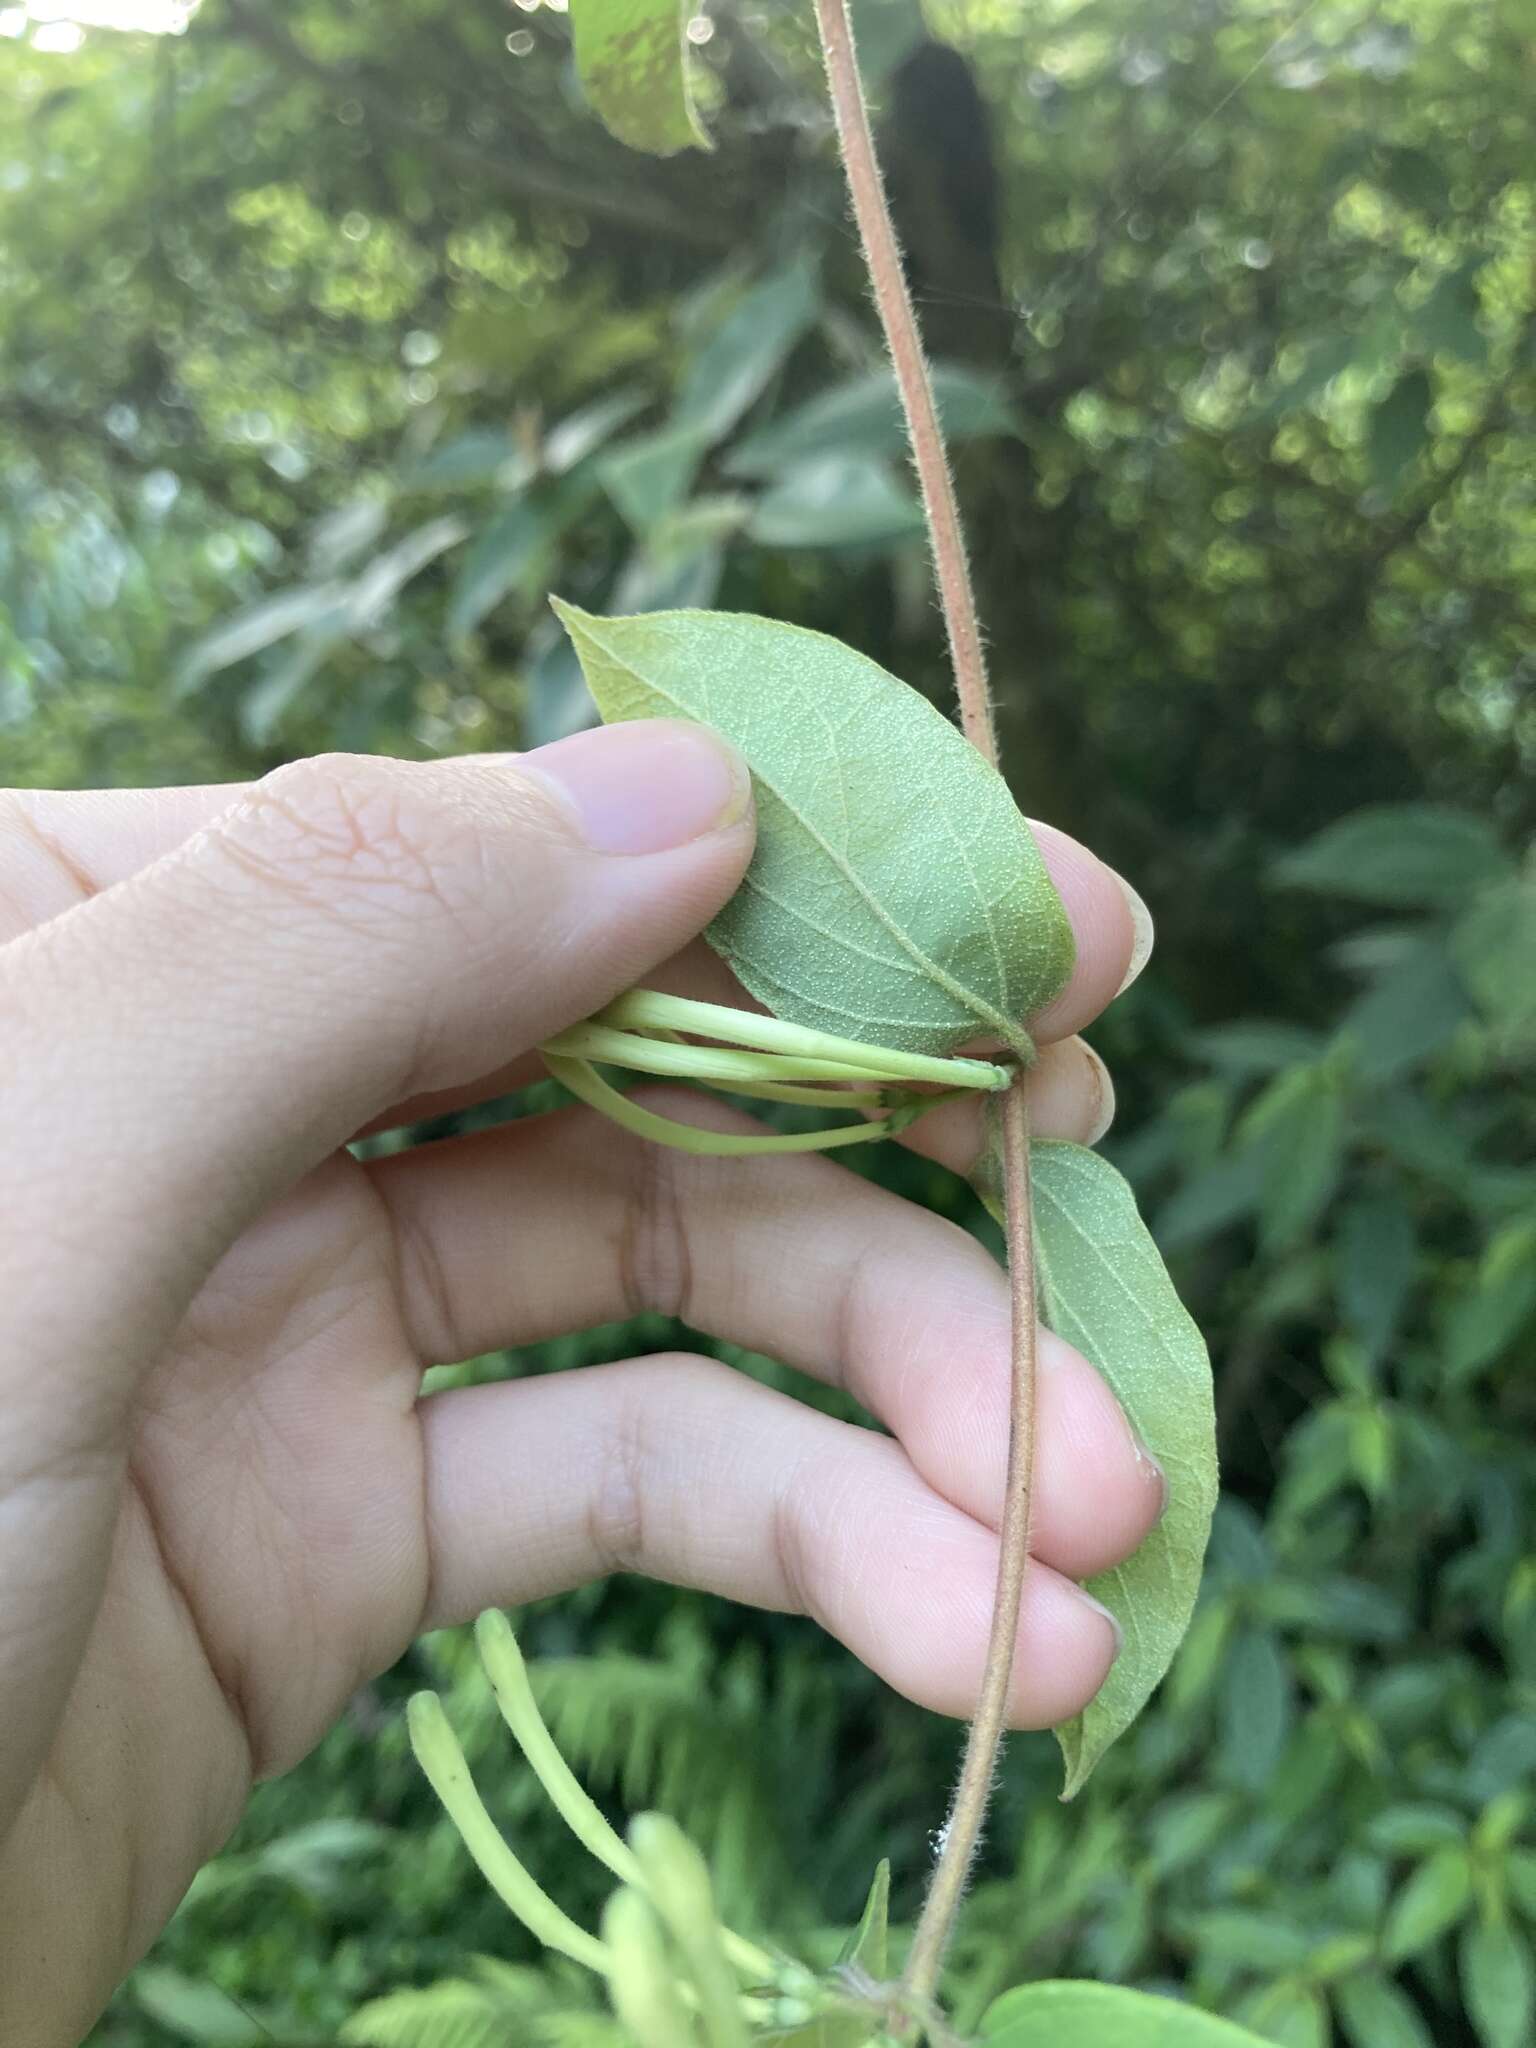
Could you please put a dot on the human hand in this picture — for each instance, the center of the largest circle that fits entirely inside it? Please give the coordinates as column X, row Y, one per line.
column 223, row 1504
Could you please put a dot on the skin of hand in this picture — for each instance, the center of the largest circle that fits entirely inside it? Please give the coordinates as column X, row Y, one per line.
column 224, row 1503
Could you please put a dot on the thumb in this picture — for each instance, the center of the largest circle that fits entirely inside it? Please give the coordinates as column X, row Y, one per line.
column 177, row 1050
column 351, row 932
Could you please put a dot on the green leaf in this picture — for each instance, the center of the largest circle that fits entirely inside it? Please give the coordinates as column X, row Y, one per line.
column 1447, row 322
column 1408, row 856
column 1252, row 1941
column 1414, row 1009
column 1399, row 427
column 1484, row 1320
column 836, row 501
column 1415, row 1830
column 1186, row 1829
column 257, row 628
column 1256, row 1046
column 1290, row 2015
column 848, row 2028
column 511, row 552
column 583, row 432
column 649, row 476
column 1373, row 1449
column 1520, row 1877
column 867, row 1948
column 1103, row 2016
column 863, row 417
column 1503, row 1756
column 731, row 369
column 1104, row 1288
column 284, row 679
column 1375, row 2014
column 1296, row 1130
column 1432, row 1902
column 1255, row 1709
column 1414, row 177
column 1494, row 947
column 849, row 920
column 481, row 456
column 337, row 538
column 1374, row 1248
column 455, row 2014
column 1498, row 1983
column 197, row 2012
column 1322, row 362
column 1357, row 1888
column 632, row 56
column 885, row 31
column 1211, row 1200
column 374, row 592
column 317, row 1858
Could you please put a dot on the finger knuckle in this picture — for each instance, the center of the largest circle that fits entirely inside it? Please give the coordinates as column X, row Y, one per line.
column 653, row 1253
column 616, row 1522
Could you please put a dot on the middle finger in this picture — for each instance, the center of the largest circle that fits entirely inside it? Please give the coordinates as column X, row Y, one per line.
column 562, row 1222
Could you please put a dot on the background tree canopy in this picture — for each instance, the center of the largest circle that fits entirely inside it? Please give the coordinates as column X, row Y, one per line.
column 332, row 339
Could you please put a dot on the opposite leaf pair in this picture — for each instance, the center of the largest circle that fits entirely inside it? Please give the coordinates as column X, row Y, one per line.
column 897, row 892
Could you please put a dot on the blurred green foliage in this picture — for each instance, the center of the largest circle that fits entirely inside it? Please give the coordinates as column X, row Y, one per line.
column 331, row 341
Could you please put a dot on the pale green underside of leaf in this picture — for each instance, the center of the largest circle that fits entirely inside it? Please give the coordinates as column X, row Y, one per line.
column 632, row 56
column 1104, row 1287
column 897, row 894
column 1103, row 2015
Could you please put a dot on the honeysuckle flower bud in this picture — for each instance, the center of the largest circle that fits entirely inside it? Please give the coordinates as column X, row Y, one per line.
column 641, row 1979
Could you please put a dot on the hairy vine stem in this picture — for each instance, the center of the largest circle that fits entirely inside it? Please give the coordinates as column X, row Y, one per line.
column 888, row 282
column 962, row 1830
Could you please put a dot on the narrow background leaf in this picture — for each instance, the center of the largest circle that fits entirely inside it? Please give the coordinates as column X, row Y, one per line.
column 1497, row 1979
column 1376, row 2014
column 1404, row 855
column 1103, row 2016
column 1432, row 1901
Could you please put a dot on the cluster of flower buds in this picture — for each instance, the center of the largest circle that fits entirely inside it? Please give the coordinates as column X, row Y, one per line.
column 676, row 1977
column 746, row 1053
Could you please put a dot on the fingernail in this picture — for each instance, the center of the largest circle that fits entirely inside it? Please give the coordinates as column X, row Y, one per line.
column 646, row 786
column 1143, row 930
column 1104, row 1108
column 1157, row 1475
column 1099, row 1608
column 1149, row 1468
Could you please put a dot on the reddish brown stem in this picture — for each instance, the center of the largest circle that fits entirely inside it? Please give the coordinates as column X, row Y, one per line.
column 962, row 1830
column 978, row 1767
column 888, row 282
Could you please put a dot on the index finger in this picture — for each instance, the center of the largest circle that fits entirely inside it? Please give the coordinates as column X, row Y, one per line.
column 1112, row 929
column 58, row 846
